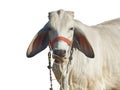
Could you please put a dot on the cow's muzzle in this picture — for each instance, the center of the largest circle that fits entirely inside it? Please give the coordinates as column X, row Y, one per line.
column 59, row 55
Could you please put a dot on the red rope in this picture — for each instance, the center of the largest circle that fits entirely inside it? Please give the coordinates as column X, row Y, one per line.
column 62, row 39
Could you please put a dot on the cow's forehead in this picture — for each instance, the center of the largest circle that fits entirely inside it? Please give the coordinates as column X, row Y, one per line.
column 60, row 18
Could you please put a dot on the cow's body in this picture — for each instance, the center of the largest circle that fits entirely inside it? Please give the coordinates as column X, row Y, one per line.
column 101, row 72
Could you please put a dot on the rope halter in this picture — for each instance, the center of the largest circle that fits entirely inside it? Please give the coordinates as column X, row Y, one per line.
column 61, row 38
column 69, row 42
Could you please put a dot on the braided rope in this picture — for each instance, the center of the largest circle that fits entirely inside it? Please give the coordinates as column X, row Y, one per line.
column 50, row 69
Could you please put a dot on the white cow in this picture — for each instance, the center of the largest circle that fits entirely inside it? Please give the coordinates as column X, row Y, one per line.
column 86, row 57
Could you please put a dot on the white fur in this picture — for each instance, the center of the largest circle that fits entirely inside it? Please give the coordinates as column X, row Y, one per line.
column 85, row 71
column 99, row 73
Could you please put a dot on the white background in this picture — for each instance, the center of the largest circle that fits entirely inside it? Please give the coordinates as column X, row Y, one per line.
column 20, row 20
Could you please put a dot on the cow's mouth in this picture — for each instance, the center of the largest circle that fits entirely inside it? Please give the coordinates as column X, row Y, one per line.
column 58, row 59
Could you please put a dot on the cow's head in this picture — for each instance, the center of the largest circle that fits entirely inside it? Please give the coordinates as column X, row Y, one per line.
column 62, row 34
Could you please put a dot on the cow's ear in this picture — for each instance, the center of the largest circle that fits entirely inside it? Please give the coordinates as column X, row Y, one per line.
column 82, row 43
column 39, row 42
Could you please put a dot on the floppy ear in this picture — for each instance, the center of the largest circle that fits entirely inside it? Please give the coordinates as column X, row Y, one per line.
column 39, row 42
column 81, row 42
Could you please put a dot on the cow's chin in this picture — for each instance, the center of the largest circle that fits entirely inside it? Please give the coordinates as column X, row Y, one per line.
column 58, row 59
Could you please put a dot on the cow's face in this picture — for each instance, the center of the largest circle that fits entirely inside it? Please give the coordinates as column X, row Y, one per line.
column 62, row 33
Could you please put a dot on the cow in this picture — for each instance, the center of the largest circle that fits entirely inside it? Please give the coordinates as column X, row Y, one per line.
column 85, row 57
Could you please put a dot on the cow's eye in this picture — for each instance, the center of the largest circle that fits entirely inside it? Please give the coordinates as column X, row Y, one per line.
column 50, row 28
column 71, row 28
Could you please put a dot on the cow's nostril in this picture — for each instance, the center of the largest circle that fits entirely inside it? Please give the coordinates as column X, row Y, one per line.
column 60, row 53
